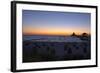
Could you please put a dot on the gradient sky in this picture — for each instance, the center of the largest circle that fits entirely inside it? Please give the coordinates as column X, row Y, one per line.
column 55, row 23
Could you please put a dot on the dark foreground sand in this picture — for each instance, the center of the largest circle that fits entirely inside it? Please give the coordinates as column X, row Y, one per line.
column 39, row 51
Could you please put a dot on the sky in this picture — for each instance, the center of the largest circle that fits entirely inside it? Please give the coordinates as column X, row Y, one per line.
column 55, row 23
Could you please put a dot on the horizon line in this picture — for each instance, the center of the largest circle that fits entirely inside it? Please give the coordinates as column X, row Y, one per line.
column 56, row 34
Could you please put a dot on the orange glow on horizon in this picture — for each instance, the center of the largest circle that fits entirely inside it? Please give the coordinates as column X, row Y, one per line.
column 53, row 31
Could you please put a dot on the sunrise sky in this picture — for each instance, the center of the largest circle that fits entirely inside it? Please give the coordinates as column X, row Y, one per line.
column 55, row 23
